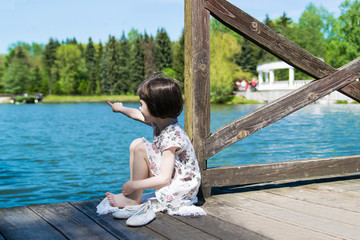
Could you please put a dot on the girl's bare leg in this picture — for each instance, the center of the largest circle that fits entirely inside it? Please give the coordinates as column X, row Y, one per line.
column 139, row 169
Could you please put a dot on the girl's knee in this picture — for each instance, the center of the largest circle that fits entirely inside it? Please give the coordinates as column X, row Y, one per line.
column 136, row 144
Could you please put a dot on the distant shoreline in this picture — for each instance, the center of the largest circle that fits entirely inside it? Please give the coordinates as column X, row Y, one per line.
column 124, row 98
column 94, row 99
column 232, row 100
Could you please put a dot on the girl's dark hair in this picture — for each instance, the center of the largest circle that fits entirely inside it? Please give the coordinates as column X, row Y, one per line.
column 162, row 96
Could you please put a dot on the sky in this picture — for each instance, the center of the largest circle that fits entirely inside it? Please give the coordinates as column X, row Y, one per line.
column 39, row 20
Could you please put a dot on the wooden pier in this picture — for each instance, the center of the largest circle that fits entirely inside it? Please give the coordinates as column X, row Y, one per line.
column 307, row 209
column 323, row 205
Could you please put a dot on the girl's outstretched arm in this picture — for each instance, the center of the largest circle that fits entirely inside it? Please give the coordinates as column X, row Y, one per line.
column 132, row 113
column 161, row 180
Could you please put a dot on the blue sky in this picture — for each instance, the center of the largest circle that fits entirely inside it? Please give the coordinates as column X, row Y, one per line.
column 38, row 20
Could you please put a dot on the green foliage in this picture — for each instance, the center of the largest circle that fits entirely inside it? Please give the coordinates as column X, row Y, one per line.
column 246, row 59
column 48, row 60
column 17, row 73
column 309, row 34
column 163, row 50
column 137, row 64
column 149, row 55
column 16, row 77
column 344, row 44
column 2, row 59
column 89, row 86
column 118, row 66
column 223, row 71
column 110, row 66
column 71, row 66
column 178, row 62
column 124, row 67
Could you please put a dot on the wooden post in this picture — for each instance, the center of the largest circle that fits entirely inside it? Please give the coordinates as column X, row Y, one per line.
column 197, row 78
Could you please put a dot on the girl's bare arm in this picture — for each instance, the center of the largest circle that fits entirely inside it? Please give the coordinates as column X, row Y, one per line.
column 132, row 113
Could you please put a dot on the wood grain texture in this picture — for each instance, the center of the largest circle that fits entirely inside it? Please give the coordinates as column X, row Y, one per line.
column 219, row 228
column 197, row 75
column 281, row 213
column 275, row 43
column 312, row 209
column 278, row 109
column 22, row 223
column 71, row 222
column 172, row 228
column 257, row 173
column 114, row 226
column 260, row 223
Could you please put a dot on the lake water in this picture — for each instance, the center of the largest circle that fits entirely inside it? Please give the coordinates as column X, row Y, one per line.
column 70, row 152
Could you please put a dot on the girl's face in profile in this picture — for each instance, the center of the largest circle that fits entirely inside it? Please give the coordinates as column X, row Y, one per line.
column 145, row 112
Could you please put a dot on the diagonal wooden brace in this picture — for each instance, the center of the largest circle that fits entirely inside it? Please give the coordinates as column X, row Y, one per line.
column 275, row 43
column 280, row 108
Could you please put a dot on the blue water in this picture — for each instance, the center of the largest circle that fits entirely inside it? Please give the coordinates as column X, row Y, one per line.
column 70, row 152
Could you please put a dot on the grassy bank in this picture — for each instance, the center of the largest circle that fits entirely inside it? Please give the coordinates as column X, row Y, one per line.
column 103, row 98
column 126, row 98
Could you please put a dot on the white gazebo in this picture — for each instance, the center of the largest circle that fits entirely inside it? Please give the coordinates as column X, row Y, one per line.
column 269, row 83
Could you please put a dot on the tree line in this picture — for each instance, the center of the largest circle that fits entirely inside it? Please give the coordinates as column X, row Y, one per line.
column 88, row 69
column 119, row 65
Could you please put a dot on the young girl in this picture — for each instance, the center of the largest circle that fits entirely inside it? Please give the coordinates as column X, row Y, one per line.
column 168, row 164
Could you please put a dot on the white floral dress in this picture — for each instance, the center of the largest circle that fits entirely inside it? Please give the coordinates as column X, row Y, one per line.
column 182, row 191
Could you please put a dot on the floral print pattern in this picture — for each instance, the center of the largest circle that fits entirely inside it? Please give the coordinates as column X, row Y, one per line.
column 186, row 178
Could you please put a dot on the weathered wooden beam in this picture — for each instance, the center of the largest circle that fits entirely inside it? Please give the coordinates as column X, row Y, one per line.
column 268, row 172
column 276, row 110
column 275, row 43
column 197, row 78
column 197, row 75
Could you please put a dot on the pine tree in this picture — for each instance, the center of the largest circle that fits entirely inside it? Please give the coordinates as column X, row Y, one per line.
column 163, row 50
column 98, row 72
column 17, row 75
column 149, row 55
column 35, row 81
column 109, row 67
column 104, row 85
column 246, row 59
column 90, row 60
column 124, row 73
column 49, row 57
column 113, row 64
column 137, row 64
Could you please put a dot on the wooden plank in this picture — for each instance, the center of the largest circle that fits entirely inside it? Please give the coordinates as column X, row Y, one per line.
column 352, row 90
column 303, row 207
column 346, row 201
column 174, row 229
column 220, row 228
column 71, row 222
column 22, row 223
column 260, row 223
column 267, row 172
column 281, row 214
column 116, row 227
column 276, row 110
column 275, row 43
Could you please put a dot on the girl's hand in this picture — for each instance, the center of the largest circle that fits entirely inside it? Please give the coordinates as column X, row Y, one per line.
column 128, row 188
column 116, row 107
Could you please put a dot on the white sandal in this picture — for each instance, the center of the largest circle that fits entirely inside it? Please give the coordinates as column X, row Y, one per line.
column 126, row 212
column 143, row 216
